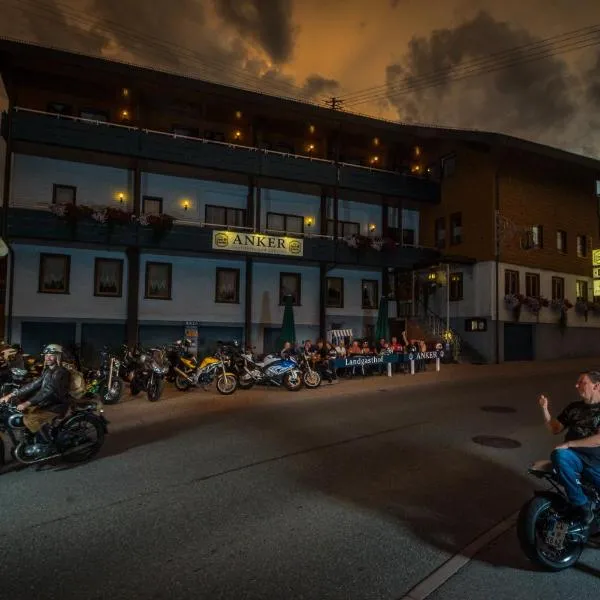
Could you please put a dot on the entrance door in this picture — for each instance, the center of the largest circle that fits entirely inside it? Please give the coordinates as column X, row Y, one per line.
column 271, row 339
column 518, row 341
column 94, row 336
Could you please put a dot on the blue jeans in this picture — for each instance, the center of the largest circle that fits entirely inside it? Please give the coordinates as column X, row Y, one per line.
column 571, row 468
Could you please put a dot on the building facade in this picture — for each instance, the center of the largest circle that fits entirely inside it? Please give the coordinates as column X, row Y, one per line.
column 527, row 219
column 132, row 214
column 137, row 204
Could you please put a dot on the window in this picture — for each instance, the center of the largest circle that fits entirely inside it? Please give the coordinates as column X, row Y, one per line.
column 59, row 108
column 532, row 285
column 152, row 205
column 93, row 114
column 561, row 241
column 217, row 136
column 408, row 237
column 334, row 295
column 54, row 274
column 289, row 285
column 511, row 282
column 108, row 277
column 456, row 228
column 227, row 286
column 344, row 229
column 440, row 232
column 537, row 236
column 456, row 286
column 63, row 194
column 448, row 165
column 158, row 280
column 581, row 288
column 283, row 222
column 558, row 288
column 222, row 215
column 370, row 293
column 582, row 246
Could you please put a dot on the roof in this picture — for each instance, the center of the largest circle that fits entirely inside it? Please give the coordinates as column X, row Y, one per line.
column 15, row 53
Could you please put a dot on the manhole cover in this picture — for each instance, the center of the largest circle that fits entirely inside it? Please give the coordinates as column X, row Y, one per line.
column 499, row 409
column 496, row 442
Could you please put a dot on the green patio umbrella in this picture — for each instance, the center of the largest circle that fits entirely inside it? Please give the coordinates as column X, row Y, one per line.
column 382, row 329
column 288, row 327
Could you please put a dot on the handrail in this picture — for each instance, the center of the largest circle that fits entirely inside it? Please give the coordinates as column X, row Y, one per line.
column 437, row 326
column 204, row 140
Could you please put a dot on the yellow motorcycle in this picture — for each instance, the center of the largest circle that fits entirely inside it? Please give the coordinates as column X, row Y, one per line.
column 212, row 368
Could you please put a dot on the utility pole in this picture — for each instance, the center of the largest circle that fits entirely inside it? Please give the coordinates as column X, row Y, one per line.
column 334, row 103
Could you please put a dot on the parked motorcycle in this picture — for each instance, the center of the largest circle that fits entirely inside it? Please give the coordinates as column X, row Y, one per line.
column 548, row 534
column 69, row 436
column 310, row 376
column 273, row 370
column 211, row 368
column 107, row 377
column 181, row 361
column 151, row 368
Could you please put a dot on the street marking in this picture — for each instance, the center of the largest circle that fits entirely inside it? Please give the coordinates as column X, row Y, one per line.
column 453, row 565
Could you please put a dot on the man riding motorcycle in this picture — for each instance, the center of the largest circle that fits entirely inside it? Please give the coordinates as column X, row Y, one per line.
column 579, row 454
column 50, row 398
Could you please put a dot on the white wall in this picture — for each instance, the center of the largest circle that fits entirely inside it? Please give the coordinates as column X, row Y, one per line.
column 365, row 214
column 80, row 303
column 547, row 315
column 192, row 292
column 33, row 178
column 478, row 293
column 197, row 192
column 302, row 205
column 265, row 293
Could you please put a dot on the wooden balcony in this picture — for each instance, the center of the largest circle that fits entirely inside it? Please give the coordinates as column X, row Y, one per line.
column 41, row 226
column 83, row 134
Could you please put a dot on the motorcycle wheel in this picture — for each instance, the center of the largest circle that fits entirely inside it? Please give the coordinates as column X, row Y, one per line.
column 292, row 384
column 70, row 429
column 227, row 384
column 155, row 390
column 531, row 529
column 312, row 379
column 112, row 396
column 182, row 384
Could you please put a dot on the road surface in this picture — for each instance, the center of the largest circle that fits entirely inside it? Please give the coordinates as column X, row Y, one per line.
column 347, row 493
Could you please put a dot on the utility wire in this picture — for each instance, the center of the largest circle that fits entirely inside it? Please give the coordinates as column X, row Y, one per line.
column 189, row 58
column 575, row 40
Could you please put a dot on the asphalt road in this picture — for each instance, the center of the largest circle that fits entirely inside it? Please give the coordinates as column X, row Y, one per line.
column 342, row 496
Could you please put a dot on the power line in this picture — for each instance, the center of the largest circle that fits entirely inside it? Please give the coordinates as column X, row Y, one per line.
column 335, row 103
column 578, row 39
column 187, row 57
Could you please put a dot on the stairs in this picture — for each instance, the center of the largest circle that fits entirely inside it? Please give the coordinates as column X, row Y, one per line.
column 429, row 326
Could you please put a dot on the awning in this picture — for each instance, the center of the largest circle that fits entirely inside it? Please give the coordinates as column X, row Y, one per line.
column 338, row 334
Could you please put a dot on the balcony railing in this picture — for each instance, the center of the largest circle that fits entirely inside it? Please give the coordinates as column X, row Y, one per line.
column 34, row 226
column 76, row 132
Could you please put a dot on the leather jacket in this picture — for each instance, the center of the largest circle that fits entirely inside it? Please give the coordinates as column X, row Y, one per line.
column 51, row 390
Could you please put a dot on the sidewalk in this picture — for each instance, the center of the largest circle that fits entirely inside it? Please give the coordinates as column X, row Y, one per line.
column 136, row 412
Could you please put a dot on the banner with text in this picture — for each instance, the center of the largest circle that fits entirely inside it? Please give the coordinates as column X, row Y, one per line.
column 258, row 243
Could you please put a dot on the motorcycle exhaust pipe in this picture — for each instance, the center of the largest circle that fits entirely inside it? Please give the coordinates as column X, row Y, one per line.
column 110, row 374
column 187, row 377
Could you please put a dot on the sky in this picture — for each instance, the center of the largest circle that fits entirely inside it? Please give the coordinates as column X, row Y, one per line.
column 529, row 68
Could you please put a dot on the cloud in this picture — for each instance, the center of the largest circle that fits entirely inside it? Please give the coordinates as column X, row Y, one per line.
column 315, row 86
column 536, row 99
column 268, row 22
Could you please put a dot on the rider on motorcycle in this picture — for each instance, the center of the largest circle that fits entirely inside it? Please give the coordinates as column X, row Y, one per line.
column 50, row 397
column 579, row 454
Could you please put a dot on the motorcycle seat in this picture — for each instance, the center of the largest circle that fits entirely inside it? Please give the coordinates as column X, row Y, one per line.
column 541, row 466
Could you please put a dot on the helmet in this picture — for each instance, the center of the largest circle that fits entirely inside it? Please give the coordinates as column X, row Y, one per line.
column 53, row 349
